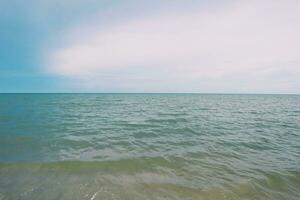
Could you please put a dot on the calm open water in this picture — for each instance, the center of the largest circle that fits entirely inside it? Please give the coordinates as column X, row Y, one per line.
column 149, row 146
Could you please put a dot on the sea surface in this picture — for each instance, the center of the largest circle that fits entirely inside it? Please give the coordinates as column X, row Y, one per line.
column 149, row 146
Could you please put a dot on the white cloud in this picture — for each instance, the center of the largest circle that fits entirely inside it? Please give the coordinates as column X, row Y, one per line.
column 244, row 42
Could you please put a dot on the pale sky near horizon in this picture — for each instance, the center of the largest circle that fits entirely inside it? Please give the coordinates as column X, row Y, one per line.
column 203, row 46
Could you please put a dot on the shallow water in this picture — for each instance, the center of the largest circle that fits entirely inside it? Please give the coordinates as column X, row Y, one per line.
column 149, row 146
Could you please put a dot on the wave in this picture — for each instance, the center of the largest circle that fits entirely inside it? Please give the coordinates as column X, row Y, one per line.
column 123, row 165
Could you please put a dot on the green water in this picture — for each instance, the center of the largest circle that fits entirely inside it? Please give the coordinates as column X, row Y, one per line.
column 149, row 146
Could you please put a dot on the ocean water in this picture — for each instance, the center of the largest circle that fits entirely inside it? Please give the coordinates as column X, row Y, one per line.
column 149, row 146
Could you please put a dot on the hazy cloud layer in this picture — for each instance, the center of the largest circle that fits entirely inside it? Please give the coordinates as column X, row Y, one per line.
column 241, row 46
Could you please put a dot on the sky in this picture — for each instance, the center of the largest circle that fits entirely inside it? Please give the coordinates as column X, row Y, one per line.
column 202, row 46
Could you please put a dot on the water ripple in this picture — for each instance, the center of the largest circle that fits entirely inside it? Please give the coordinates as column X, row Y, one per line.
column 149, row 146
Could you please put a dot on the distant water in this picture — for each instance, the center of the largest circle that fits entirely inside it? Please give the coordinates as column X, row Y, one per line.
column 149, row 146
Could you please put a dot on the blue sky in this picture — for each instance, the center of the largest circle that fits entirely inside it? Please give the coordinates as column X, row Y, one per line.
column 150, row 46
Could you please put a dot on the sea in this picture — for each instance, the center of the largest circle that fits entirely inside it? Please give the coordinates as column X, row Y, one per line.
column 149, row 147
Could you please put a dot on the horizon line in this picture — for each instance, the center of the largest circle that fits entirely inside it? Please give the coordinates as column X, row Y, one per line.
column 203, row 93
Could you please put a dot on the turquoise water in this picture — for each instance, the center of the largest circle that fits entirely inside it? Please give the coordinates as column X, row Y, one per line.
column 149, row 146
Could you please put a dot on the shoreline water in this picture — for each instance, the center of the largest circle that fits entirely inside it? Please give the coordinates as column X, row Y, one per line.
column 177, row 146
